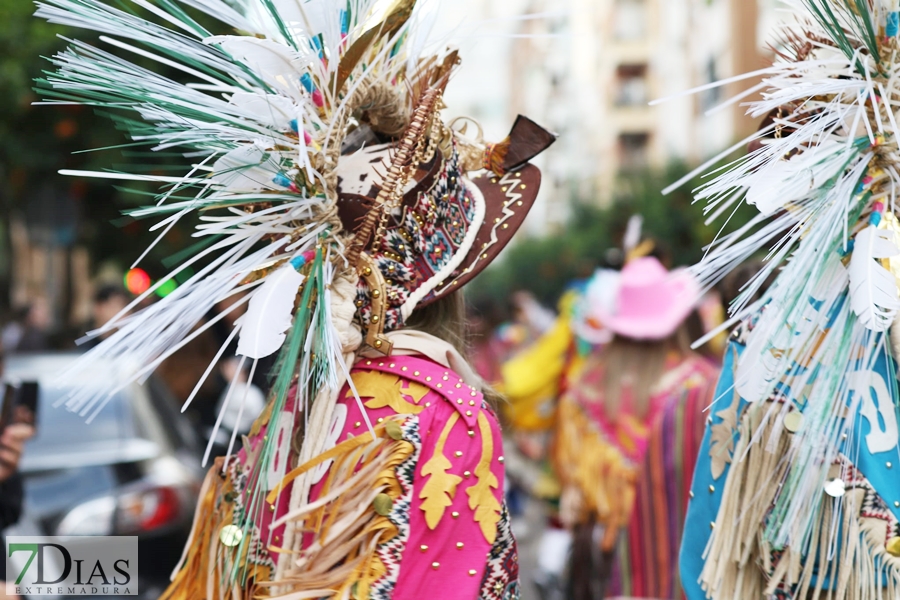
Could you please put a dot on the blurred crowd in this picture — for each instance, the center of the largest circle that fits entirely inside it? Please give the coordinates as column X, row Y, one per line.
column 604, row 410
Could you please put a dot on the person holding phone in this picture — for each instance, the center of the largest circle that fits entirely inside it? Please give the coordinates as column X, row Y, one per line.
column 13, row 436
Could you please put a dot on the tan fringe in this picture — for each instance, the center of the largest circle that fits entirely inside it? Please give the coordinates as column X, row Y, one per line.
column 739, row 561
column 343, row 562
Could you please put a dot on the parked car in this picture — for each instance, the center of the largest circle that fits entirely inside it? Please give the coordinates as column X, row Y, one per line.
column 134, row 470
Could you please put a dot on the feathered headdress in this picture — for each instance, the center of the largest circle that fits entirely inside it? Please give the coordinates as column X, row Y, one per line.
column 332, row 198
column 824, row 174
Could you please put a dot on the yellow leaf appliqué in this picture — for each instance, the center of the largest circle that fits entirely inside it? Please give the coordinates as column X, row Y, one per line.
column 481, row 495
column 438, row 492
column 384, row 389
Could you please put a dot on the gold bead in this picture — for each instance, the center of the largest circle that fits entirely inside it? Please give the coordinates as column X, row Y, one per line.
column 427, row 404
column 428, row 378
column 458, row 385
column 457, row 454
column 459, row 545
column 415, row 373
column 392, row 365
column 471, row 433
column 459, row 401
column 712, row 489
column 435, row 565
column 445, row 378
column 374, row 318
column 471, row 402
column 440, row 385
column 467, row 474
column 472, row 572
column 367, row 271
column 454, row 514
column 473, row 393
column 896, row 503
column 500, row 459
column 378, row 343
column 468, row 413
column 423, row 548
column 357, row 424
column 376, row 293
column 404, row 369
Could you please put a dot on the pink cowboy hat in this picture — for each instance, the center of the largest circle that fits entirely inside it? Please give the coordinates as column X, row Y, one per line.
column 650, row 302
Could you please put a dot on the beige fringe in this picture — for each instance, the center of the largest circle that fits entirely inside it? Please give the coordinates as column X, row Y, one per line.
column 739, row 562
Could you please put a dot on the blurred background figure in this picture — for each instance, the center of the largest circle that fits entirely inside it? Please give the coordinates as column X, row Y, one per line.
column 12, row 443
column 629, row 426
column 29, row 332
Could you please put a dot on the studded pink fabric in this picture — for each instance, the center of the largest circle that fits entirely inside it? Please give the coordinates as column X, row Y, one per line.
column 455, row 556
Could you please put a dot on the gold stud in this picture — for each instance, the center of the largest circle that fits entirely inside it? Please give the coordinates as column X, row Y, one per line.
column 381, row 419
column 500, row 459
column 367, row 271
column 435, row 565
column 712, row 489
column 473, row 393
column 503, row 189
column 518, row 174
column 440, row 385
column 445, row 378
column 374, row 318
column 459, row 401
column 523, row 186
column 378, row 343
column 392, row 365
column 691, row 493
column 712, row 525
column 471, row 403
column 427, row 404
column 454, row 514
column 896, row 503
column 505, row 226
column 708, row 420
column 381, row 364
column 457, row 454
column 376, row 293
column 231, row 535
column 368, row 362
column 459, row 545
column 496, row 220
column 471, row 433
column 271, row 508
column 423, row 548
column 428, row 378
column 404, row 369
column 357, row 424
column 458, row 385
column 519, row 203
column 415, row 373
column 472, row 572
column 468, row 413
column 484, row 256
column 467, row 474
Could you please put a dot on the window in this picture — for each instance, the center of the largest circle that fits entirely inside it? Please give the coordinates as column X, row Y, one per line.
column 630, row 19
column 633, row 149
column 631, row 84
column 711, row 97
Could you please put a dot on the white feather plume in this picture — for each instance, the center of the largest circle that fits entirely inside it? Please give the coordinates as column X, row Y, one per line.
column 873, row 289
column 264, row 326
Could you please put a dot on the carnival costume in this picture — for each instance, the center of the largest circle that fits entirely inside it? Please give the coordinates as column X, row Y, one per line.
column 335, row 202
column 795, row 493
column 631, row 472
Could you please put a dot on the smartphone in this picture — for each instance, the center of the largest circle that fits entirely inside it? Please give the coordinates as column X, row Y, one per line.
column 20, row 403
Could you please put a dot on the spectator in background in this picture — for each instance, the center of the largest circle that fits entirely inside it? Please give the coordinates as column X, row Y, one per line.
column 12, row 441
column 28, row 332
column 109, row 301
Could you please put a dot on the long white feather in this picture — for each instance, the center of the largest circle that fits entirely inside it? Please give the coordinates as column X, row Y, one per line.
column 264, row 326
column 873, row 289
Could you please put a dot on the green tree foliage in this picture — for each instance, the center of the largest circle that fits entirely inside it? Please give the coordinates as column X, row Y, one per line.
column 592, row 237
